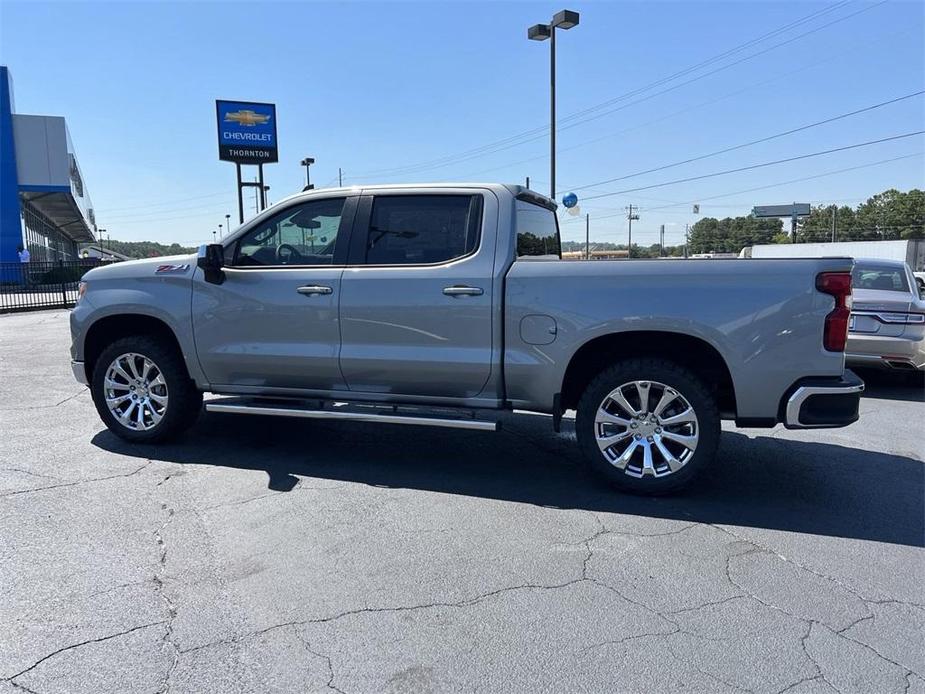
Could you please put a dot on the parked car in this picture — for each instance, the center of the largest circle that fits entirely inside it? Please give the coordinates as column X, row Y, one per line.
column 887, row 326
column 920, row 281
column 438, row 305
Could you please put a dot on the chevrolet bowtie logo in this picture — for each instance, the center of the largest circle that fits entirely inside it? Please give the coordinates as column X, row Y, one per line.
column 246, row 117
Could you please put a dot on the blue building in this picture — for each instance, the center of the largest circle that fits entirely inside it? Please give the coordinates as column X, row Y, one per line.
column 44, row 203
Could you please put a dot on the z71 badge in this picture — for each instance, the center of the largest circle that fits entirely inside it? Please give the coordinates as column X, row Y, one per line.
column 171, row 269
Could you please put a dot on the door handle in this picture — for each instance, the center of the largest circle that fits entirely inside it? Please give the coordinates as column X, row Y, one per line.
column 312, row 289
column 461, row 290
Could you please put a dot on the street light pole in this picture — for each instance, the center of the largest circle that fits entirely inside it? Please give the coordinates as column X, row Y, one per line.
column 566, row 19
column 307, row 162
column 552, row 111
column 227, row 223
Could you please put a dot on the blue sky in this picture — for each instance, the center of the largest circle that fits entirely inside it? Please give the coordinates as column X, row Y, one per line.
column 402, row 92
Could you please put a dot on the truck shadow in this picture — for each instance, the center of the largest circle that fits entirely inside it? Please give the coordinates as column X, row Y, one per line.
column 764, row 482
column 893, row 385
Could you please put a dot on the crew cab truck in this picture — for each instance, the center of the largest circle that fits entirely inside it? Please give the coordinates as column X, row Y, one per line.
column 437, row 305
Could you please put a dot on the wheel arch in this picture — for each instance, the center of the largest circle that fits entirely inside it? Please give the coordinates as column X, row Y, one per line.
column 688, row 351
column 113, row 327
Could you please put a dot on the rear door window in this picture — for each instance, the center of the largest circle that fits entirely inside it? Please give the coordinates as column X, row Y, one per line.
column 537, row 231
column 422, row 229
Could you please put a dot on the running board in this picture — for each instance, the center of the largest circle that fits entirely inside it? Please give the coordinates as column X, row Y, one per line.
column 389, row 416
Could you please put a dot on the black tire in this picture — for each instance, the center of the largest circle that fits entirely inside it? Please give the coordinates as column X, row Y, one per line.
column 184, row 400
column 657, row 372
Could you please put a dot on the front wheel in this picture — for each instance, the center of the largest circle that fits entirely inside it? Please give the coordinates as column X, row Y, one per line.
column 142, row 391
column 649, row 426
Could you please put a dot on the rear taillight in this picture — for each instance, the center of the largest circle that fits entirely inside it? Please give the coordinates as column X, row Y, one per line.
column 837, row 285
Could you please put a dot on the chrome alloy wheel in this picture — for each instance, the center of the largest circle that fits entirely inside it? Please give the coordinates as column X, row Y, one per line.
column 135, row 391
column 646, row 428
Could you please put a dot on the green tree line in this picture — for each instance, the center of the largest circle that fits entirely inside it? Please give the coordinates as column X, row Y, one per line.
column 145, row 249
column 888, row 215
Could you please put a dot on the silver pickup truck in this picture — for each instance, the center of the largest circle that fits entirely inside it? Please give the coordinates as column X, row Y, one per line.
column 439, row 305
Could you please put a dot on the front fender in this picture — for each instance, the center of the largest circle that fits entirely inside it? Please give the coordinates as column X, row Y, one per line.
column 167, row 299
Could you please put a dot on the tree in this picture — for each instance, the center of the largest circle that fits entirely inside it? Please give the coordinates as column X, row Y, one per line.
column 818, row 226
column 732, row 234
column 887, row 215
column 893, row 215
column 146, row 249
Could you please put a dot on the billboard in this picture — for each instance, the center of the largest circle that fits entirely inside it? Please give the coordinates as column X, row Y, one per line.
column 246, row 132
column 797, row 209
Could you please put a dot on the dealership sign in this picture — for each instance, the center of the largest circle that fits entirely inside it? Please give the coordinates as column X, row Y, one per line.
column 246, row 132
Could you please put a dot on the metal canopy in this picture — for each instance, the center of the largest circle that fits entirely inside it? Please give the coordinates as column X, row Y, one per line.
column 62, row 211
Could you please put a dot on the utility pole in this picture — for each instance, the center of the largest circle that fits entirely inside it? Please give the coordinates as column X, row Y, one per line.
column 340, row 178
column 661, row 241
column 687, row 238
column 834, row 221
column 528, row 182
column 587, row 236
column 630, row 216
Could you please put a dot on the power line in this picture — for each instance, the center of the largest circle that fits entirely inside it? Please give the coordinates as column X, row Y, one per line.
column 538, row 133
column 758, row 166
column 793, row 180
column 764, row 187
column 709, row 61
column 160, row 204
column 727, row 66
column 752, row 86
column 755, row 142
column 155, row 213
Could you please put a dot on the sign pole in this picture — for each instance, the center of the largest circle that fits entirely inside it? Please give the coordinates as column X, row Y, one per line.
column 237, row 167
column 247, row 136
column 263, row 193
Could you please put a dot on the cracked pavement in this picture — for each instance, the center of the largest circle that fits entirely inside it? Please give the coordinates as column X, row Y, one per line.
column 272, row 555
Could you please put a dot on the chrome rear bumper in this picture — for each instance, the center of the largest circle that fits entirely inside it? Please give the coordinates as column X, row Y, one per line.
column 818, row 403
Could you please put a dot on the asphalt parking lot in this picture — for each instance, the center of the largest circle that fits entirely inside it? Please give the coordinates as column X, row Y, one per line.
column 270, row 555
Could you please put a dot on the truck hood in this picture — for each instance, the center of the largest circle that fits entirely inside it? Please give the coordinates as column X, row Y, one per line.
column 148, row 267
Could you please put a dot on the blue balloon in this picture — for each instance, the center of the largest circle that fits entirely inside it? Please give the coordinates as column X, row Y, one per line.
column 570, row 200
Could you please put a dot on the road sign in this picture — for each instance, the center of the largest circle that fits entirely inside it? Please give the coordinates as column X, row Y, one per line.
column 797, row 209
column 246, row 132
column 570, row 200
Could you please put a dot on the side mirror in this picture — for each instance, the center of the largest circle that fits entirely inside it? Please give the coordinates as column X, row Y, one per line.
column 212, row 259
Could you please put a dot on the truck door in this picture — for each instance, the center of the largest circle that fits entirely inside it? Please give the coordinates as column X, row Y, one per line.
column 273, row 322
column 416, row 297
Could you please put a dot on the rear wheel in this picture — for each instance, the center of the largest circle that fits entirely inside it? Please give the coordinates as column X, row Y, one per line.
column 142, row 391
column 648, row 426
